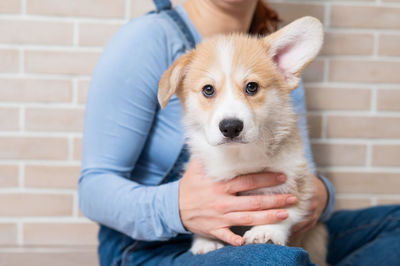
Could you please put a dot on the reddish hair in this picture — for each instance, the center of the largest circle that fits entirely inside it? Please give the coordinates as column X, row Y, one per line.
column 265, row 20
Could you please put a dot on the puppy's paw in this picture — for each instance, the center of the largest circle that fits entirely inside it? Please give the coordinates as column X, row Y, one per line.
column 264, row 234
column 203, row 245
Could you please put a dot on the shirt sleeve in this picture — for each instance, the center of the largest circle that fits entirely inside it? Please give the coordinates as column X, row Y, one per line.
column 120, row 110
column 299, row 105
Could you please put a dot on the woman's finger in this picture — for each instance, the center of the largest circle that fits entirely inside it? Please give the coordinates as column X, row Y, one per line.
column 255, row 217
column 258, row 202
column 228, row 236
column 254, row 181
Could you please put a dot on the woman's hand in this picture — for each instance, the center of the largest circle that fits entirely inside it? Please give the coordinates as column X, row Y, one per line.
column 210, row 208
column 317, row 206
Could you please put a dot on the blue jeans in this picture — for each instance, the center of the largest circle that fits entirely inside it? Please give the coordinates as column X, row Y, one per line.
column 365, row 237
column 361, row 237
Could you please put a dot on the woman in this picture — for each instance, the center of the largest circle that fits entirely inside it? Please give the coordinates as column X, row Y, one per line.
column 133, row 152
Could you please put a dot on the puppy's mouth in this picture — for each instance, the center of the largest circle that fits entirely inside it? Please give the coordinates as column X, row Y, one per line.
column 232, row 141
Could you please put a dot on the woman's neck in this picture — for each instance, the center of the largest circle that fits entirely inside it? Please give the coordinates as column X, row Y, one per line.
column 211, row 18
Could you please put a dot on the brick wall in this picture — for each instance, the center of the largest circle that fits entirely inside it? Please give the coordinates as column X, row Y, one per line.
column 48, row 50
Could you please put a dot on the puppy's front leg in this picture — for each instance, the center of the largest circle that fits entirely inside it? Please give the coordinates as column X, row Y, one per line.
column 276, row 233
column 202, row 245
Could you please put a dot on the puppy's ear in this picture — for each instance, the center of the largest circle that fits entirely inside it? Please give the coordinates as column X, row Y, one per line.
column 293, row 47
column 172, row 79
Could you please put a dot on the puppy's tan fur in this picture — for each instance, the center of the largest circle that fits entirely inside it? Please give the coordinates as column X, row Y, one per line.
column 270, row 140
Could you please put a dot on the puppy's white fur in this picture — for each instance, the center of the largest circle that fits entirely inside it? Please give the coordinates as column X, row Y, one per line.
column 270, row 139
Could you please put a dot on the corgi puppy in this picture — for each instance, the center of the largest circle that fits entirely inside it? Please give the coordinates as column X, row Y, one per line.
column 235, row 91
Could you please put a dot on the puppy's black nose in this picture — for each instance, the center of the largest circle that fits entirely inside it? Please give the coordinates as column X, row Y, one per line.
column 231, row 128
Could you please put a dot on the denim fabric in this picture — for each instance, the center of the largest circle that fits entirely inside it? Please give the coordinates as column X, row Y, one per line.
column 360, row 237
column 176, row 253
column 162, row 5
column 177, row 170
column 365, row 237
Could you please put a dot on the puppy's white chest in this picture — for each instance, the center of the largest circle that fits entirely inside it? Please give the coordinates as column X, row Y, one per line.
column 226, row 164
column 229, row 163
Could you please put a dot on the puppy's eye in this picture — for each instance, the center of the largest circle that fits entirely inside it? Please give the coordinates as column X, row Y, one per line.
column 251, row 88
column 208, row 91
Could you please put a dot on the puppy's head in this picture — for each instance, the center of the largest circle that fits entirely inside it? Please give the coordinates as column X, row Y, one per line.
column 235, row 87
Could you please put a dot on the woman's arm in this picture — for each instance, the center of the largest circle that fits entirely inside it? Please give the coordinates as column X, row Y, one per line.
column 120, row 111
column 323, row 202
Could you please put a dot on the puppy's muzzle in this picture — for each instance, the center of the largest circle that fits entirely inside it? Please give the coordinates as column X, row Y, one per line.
column 231, row 128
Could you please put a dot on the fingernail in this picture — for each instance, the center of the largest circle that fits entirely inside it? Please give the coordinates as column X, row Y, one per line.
column 291, row 200
column 281, row 178
column 282, row 215
column 238, row 241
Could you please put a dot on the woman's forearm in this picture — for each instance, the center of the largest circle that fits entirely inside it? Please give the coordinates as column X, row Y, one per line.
column 141, row 212
column 299, row 105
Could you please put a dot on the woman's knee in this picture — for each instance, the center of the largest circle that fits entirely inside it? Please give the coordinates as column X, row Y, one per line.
column 259, row 254
column 395, row 211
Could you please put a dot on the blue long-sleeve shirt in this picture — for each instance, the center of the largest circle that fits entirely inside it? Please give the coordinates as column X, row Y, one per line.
column 129, row 144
